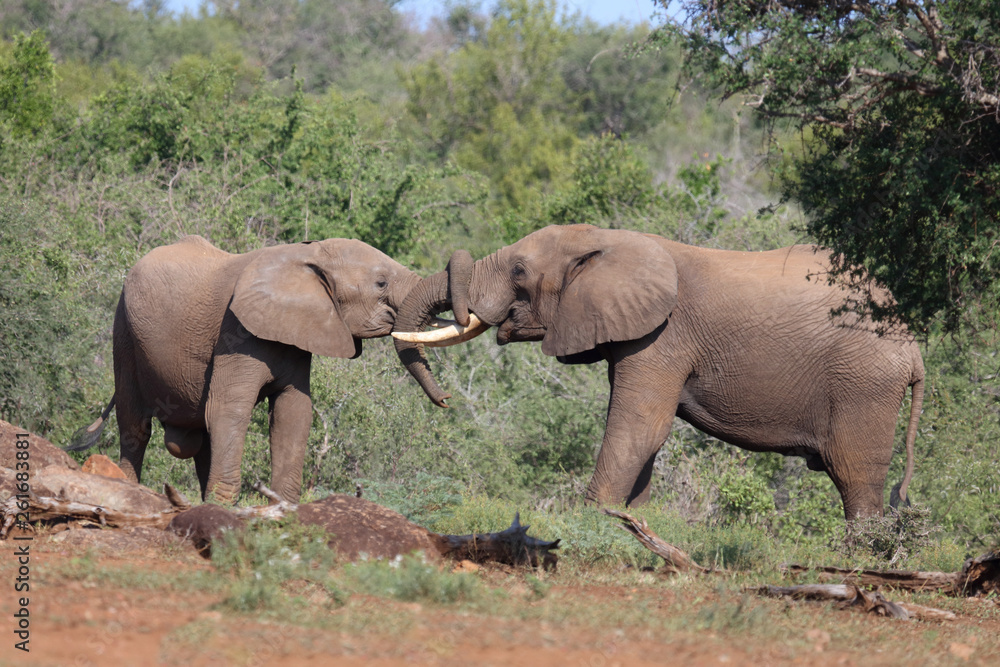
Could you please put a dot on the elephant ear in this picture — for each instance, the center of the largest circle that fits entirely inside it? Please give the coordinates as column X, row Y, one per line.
column 284, row 295
column 620, row 290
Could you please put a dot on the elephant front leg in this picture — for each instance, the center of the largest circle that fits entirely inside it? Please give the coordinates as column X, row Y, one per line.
column 290, row 419
column 227, row 416
column 227, row 435
column 640, row 415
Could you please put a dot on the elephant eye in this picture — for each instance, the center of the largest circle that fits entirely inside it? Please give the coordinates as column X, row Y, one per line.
column 381, row 283
column 517, row 272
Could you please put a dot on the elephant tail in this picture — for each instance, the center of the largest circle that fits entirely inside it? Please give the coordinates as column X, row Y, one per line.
column 88, row 436
column 898, row 494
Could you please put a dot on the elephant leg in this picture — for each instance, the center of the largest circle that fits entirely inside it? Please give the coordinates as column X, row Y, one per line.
column 643, row 486
column 135, row 423
column 290, row 419
column 227, row 431
column 203, row 464
column 858, row 463
column 134, row 430
column 232, row 394
column 641, row 412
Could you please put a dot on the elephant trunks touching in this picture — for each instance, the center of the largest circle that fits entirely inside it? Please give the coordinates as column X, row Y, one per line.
column 447, row 290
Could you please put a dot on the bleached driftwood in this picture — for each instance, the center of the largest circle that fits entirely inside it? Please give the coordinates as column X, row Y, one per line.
column 45, row 508
column 278, row 509
column 978, row 576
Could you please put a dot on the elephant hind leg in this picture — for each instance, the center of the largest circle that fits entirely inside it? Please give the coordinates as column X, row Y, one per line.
column 134, row 430
column 858, row 464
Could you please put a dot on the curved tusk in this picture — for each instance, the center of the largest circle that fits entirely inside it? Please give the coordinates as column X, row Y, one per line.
column 471, row 332
column 453, row 334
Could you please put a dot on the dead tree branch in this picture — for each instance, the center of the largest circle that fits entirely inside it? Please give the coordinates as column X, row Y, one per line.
column 851, row 595
column 676, row 560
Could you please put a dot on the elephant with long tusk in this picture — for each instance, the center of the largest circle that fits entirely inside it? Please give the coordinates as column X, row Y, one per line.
column 746, row 346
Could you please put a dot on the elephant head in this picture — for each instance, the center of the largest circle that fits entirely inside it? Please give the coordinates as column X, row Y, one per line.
column 571, row 287
column 323, row 296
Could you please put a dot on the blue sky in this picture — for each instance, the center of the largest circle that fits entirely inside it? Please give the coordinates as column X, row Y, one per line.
column 602, row 11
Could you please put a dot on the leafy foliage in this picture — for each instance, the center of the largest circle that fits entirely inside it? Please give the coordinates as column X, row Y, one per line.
column 264, row 556
column 900, row 103
column 27, row 86
column 411, row 579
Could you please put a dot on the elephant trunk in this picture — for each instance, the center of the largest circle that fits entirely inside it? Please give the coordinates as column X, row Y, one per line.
column 447, row 290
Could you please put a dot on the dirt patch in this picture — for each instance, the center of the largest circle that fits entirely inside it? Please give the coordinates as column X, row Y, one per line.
column 122, row 597
column 358, row 526
column 123, row 541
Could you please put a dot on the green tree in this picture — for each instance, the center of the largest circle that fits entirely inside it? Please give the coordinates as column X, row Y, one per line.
column 497, row 104
column 45, row 356
column 898, row 102
column 350, row 44
column 618, row 89
column 27, row 86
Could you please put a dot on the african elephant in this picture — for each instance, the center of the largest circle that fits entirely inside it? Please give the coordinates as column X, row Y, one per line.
column 201, row 336
column 746, row 346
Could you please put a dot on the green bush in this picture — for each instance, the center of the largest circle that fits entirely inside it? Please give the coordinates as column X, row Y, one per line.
column 745, row 497
column 412, row 579
column 264, row 556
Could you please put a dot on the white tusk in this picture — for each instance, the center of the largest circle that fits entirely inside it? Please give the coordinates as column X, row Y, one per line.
column 440, row 323
column 452, row 334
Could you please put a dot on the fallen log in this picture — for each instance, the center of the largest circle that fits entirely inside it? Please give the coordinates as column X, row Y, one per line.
column 897, row 579
column 512, row 546
column 44, row 508
column 978, row 576
column 981, row 575
column 852, row 595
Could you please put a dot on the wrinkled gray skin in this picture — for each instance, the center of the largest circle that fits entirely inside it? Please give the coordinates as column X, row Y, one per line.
column 743, row 345
column 201, row 336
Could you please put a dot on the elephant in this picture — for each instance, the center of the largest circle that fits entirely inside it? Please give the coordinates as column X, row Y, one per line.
column 201, row 336
column 753, row 348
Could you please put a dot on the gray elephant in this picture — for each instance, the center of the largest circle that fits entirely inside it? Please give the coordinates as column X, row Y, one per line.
column 746, row 346
column 201, row 336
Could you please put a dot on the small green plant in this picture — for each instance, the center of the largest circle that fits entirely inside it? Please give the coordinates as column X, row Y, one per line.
column 744, row 497
column 265, row 556
column 538, row 587
column 412, row 579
